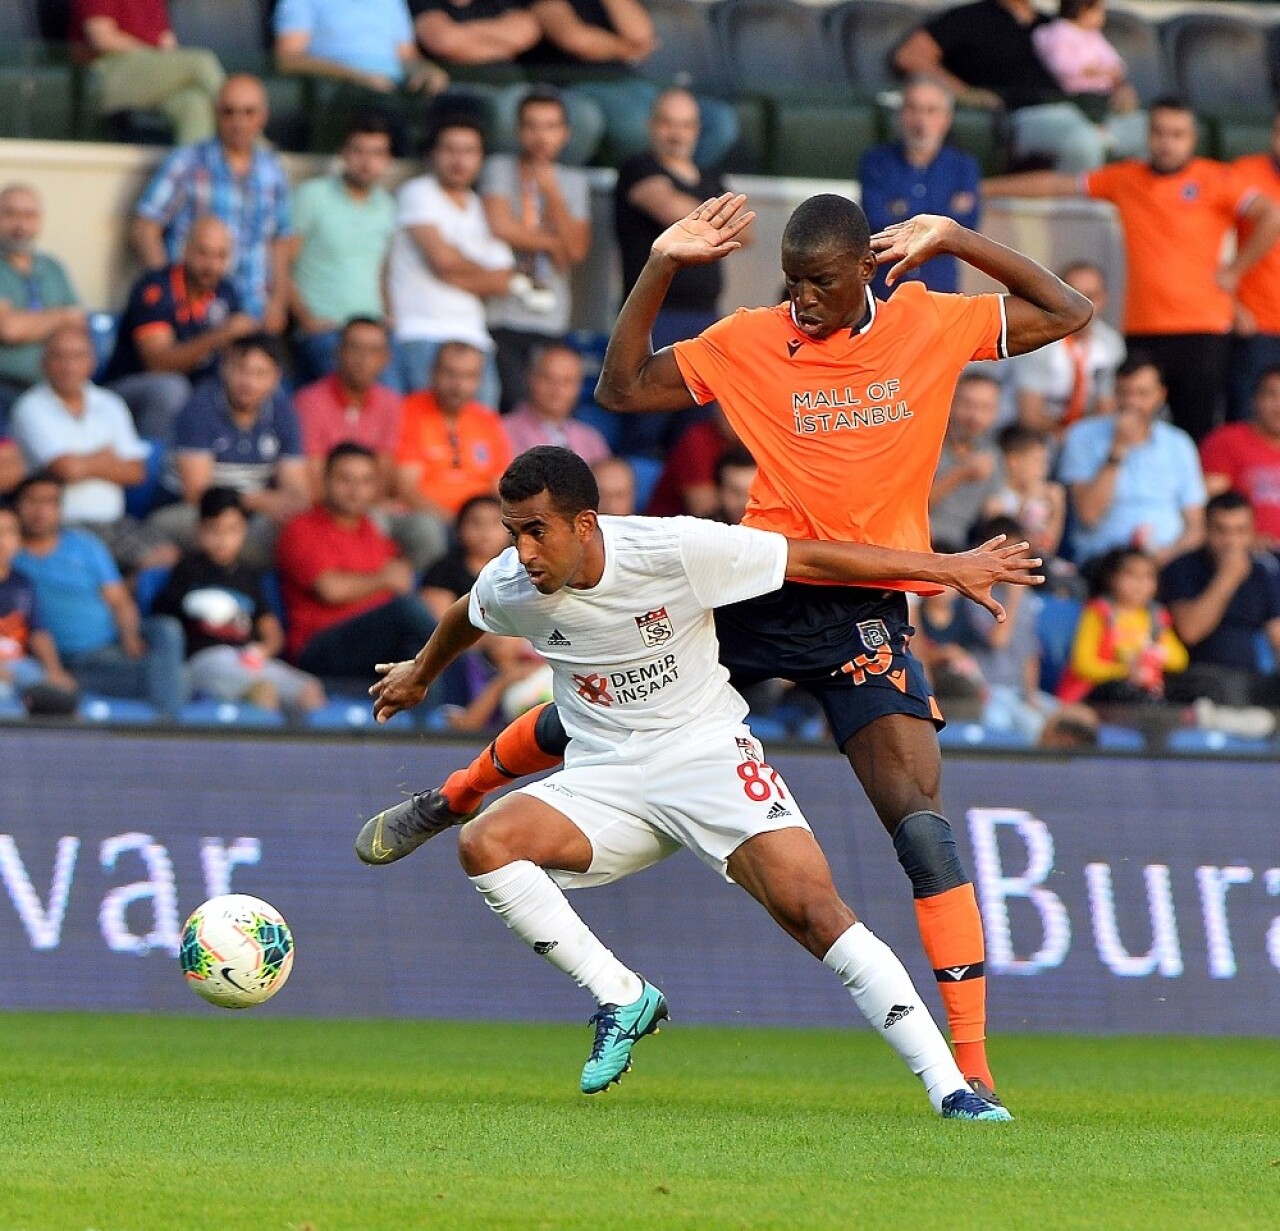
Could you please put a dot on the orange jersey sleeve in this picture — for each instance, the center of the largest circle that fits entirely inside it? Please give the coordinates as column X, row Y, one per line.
column 846, row 430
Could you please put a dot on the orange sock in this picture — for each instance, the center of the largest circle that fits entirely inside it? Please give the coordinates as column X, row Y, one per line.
column 951, row 928
column 514, row 754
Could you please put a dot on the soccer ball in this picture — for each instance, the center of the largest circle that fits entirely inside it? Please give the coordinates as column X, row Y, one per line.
column 236, row 951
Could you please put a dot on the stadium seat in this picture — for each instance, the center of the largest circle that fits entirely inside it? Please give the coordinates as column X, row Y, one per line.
column 147, row 586
column 348, row 714
column 1056, row 630
column 120, row 710
column 977, row 131
column 820, row 140
column 688, row 51
column 19, row 28
column 866, row 33
column 1138, row 42
column 778, row 49
column 1194, row 740
column 238, row 31
column 647, row 470
column 1112, row 738
column 975, row 735
column 140, row 499
column 1237, row 137
column 38, row 101
column 228, row 714
column 1220, row 63
column 11, row 707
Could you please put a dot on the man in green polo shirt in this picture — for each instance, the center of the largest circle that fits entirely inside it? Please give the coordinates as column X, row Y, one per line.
column 35, row 294
column 343, row 225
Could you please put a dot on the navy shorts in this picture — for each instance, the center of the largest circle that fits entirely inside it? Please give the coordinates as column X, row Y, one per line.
column 844, row 645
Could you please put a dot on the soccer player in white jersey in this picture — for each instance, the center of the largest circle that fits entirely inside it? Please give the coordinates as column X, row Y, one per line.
column 659, row 756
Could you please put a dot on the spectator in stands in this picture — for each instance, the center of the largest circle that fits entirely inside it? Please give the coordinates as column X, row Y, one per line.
column 137, row 64
column 969, row 472
column 604, row 40
column 83, row 435
column 1175, row 212
column 369, row 44
column 654, row 190
column 543, row 211
column 176, row 322
column 1257, row 309
column 688, row 480
column 1091, row 71
column 12, row 467
column 735, row 473
column 1246, row 457
column 235, row 178
column 35, row 293
column 1124, row 644
column 474, row 31
column 617, row 483
column 921, row 173
column 1133, row 479
column 984, row 52
column 1075, row 376
column 351, row 405
column 445, row 261
column 232, row 635
column 343, row 223
column 348, row 593
column 1224, row 598
column 93, row 620
column 28, row 656
column 1033, row 501
column 452, row 447
column 241, row 432
column 546, row 417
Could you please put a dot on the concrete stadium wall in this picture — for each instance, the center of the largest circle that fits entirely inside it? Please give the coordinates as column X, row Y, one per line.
column 89, row 191
column 1120, row 896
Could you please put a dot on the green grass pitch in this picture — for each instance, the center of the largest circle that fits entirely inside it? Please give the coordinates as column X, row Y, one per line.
column 236, row 1123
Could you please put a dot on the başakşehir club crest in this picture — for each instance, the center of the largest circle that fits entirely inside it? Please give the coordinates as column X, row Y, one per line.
column 874, row 634
column 655, row 627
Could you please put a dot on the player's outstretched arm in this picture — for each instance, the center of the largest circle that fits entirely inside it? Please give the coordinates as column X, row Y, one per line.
column 404, row 684
column 1040, row 308
column 971, row 573
column 632, row 377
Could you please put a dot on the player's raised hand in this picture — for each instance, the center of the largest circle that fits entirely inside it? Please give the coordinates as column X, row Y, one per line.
column 708, row 233
column 974, row 572
column 400, row 688
column 911, row 243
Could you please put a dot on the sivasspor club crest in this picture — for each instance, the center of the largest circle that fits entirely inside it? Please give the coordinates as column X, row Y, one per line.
column 874, row 634
column 655, row 627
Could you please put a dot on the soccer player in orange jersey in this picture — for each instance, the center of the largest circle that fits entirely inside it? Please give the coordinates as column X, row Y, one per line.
column 843, row 402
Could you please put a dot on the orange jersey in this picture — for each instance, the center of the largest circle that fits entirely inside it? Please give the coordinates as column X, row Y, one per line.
column 458, row 461
column 847, row 430
column 1174, row 227
column 1260, row 288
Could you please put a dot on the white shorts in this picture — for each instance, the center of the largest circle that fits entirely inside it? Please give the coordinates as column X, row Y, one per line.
column 709, row 793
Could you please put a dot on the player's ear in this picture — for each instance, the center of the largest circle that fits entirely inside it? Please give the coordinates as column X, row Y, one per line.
column 867, row 265
column 586, row 522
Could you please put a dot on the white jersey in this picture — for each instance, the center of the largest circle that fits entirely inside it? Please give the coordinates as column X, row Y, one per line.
column 637, row 652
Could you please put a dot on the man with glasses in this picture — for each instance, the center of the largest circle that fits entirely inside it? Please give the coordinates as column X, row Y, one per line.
column 235, row 178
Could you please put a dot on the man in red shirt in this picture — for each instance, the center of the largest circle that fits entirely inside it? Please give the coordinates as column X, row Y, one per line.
column 138, row 63
column 688, row 480
column 1245, row 457
column 349, row 594
column 1176, row 210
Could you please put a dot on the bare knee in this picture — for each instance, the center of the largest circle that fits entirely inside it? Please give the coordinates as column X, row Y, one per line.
column 816, row 920
column 484, row 847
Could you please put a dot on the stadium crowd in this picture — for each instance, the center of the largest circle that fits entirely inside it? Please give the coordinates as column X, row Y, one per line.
column 285, row 466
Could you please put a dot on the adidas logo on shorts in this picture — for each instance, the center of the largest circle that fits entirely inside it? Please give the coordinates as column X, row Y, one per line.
column 897, row 1013
column 778, row 810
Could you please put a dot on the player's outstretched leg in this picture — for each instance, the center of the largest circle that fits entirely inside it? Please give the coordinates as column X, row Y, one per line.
column 788, row 873
column 897, row 760
column 502, row 852
column 533, row 742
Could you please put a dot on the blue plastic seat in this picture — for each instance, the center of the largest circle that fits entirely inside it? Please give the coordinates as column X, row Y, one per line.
column 1120, row 739
column 228, row 714
column 142, row 497
column 97, row 708
column 1056, row 629
column 352, row 714
column 1195, row 740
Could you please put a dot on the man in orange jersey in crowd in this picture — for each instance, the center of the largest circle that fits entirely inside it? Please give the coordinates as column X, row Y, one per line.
column 1257, row 324
column 843, row 402
column 1175, row 211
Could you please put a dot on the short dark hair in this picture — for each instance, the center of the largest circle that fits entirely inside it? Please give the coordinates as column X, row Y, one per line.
column 1076, row 267
column 1228, row 502
column 262, row 342
column 988, row 527
column 1267, row 373
column 355, row 322
column 369, row 123
column 456, row 116
column 542, row 94
column 446, row 348
column 217, row 500
column 827, row 221
column 1069, row 10
column 35, row 479
column 1103, row 570
column 1171, row 102
column 1135, row 361
column 1018, row 438
column 736, row 457
column 475, row 502
column 561, row 473
column 348, row 448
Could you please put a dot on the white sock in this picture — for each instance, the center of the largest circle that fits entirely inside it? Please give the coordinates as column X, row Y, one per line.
column 530, row 903
column 883, row 991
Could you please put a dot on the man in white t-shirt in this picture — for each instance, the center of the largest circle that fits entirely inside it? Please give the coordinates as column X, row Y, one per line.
column 445, row 261
column 659, row 756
